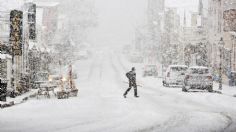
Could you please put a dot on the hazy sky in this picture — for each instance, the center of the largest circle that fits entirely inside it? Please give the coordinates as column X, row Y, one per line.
column 118, row 18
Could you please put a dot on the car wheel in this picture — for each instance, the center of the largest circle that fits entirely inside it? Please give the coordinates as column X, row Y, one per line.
column 210, row 89
column 184, row 89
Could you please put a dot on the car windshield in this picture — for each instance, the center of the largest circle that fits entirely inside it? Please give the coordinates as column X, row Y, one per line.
column 199, row 71
column 178, row 69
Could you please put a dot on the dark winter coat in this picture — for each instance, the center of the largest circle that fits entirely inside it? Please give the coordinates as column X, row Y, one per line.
column 132, row 78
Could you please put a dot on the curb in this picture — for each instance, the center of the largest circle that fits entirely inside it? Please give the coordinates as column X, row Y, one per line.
column 12, row 103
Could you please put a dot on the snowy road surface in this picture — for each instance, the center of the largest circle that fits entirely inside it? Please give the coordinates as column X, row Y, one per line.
column 100, row 106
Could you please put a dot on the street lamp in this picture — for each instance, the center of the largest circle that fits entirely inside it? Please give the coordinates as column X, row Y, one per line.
column 221, row 46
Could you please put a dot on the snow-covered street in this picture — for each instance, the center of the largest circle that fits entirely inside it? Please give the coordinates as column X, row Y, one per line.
column 100, row 105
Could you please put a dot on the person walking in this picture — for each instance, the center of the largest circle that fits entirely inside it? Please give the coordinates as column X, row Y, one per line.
column 131, row 75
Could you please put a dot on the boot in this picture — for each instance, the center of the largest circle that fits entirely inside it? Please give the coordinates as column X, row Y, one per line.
column 126, row 92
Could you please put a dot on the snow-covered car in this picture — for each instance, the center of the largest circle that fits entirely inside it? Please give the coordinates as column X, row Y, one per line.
column 174, row 75
column 150, row 70
column 198, row 77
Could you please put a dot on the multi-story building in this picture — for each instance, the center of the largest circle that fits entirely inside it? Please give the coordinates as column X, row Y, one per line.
column 170, row 38
column 222, row 24
column 193, row 39
column 155, row 12
column 214, row 28
column 229, row 32
column 47, row 21
column 172, row 26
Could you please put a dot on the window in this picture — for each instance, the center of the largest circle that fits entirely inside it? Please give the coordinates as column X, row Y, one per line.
column 199, row 71
column 178, row 69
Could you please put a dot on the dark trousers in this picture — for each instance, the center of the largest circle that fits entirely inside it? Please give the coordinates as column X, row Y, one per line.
column 130, row 86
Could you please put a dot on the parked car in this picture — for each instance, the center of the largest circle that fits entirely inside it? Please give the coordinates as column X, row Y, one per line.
column 198, row 78
column 150, row 70
column 174, row 75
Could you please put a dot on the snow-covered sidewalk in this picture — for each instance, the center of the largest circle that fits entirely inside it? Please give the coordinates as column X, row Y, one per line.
column 19, row 99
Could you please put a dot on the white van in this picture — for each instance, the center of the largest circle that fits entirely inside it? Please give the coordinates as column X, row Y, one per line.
column 174, row 75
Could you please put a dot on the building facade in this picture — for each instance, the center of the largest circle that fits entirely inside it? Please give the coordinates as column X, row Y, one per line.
column 222, row 24
column 155, row 14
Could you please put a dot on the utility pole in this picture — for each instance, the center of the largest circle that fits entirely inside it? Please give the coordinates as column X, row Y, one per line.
column 234, row 51
column 221, row 46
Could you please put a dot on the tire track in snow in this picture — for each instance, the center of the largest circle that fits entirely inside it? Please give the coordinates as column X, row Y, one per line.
column 229, row 115
column 180, row 122
column 230, row 121
column 172, row 122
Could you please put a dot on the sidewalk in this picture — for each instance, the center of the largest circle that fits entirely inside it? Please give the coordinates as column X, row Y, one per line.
column 17, row 100
column 226, row 89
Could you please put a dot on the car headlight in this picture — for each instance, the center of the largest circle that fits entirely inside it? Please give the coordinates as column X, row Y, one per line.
column 50, row 79
column 63, row 79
